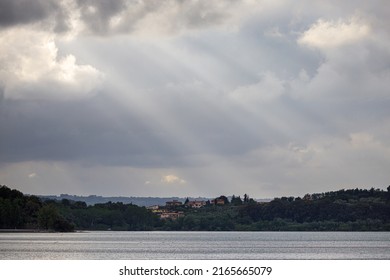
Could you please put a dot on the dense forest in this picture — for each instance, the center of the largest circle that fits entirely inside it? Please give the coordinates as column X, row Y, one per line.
column 343, row 210
column 19, row 211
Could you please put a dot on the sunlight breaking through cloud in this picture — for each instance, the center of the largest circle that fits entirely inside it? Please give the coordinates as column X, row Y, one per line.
column 144, row 97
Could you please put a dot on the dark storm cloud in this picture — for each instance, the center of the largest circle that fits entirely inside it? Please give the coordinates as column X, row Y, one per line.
column 97, row 14
column 103, row 132
column 174, row 15
column 100, row 131
column 19, row 12
column 14, row 12
column 84, row 131
column 108, row 17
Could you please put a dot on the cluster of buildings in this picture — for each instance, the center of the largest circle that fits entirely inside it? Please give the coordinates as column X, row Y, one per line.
column 174, row 209
column 170, row 210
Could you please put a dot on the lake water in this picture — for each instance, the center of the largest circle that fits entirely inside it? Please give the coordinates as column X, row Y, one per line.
column 195, row 245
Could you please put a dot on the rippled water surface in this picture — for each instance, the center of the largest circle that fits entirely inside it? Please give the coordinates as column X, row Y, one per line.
column 195, row 245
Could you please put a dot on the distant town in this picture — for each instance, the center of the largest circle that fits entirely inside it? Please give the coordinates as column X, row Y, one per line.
column 170, row 210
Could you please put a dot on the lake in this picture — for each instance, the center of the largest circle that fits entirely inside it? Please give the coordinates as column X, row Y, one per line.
column 108, row 245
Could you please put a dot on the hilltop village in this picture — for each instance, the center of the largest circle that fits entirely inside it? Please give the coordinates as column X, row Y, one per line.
column 176, row 209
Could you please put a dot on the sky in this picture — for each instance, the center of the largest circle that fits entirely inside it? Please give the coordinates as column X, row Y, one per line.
column 194, row 98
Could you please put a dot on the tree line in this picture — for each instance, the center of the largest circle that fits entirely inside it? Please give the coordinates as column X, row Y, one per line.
column 343, row 210
column 19, row 211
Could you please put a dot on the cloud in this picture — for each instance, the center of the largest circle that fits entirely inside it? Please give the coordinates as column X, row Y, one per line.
column 172, row 179
column 332, row 34
column 153, row 17
column 32, row 175
column 107, row 17
column 323, row 163
column 38, row 72
column 355, row 62
column 270, row 97
column 99, row 16
column 274, row 32
column 47, row 14
column 14, row 12
column 270, row 87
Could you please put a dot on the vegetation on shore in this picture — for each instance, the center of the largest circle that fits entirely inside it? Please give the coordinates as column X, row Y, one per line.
column 343, row 210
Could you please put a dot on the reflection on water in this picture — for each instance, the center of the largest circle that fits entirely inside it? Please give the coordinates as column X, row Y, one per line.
column 195, row 245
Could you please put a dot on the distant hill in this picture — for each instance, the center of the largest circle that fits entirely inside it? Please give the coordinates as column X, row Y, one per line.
column 139, row 201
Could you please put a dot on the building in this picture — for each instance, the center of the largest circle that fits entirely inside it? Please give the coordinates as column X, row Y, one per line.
column 153, row 207
column 171, row 215
column 196, row 204
column 218, row 201
column 173, row 203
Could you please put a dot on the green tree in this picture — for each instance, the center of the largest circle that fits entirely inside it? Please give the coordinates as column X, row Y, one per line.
column 47, row 216
column 50, row 219
column 388, row 193
column 236, row 200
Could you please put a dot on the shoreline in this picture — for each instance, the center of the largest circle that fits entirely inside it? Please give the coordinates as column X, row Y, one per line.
column 21, row 230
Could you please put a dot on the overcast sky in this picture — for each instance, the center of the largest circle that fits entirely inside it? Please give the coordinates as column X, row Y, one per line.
column 194, row 98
